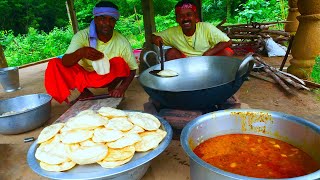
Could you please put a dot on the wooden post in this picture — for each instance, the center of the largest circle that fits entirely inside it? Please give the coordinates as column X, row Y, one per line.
column 292, row 16
column 72, row 15
column 199, row 9
column 306, row 44
column 3, row 61
column 148, row 21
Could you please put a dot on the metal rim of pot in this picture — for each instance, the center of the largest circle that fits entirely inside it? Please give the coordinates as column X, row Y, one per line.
column 184, row 139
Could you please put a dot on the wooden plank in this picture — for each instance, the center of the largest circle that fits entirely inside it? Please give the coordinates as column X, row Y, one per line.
column 89, row 104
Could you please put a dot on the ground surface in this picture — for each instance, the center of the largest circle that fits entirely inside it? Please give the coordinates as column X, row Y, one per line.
column 255, row 93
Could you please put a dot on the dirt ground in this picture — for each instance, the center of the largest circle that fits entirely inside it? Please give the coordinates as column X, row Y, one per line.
column 256, row 93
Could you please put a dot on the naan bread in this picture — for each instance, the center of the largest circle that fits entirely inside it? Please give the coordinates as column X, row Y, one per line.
column 101, row 66
column 49, row 131
column 167, row 73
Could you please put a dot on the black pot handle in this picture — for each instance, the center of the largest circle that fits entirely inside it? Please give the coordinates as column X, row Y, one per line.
column 248, row 58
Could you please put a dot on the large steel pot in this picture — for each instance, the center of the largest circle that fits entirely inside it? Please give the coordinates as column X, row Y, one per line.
column 24, row 113
column 291, row 129
column 203, row 81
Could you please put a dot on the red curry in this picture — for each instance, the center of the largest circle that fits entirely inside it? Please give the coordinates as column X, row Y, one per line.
column 256, row 156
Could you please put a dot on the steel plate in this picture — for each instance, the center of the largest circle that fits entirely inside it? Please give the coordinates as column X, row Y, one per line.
column 134, row 169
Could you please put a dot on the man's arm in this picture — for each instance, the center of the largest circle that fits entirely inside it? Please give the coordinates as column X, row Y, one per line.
column 119, row 91
column 90, row 53
column 217, row 48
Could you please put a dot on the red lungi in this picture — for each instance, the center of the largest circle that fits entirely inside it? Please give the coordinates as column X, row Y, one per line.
column 59, row 80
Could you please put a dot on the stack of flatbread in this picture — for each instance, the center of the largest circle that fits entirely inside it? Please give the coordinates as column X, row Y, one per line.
column 109, row 137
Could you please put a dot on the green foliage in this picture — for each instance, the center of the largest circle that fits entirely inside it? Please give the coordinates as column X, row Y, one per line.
column 262, row 10
column 315, row 75
column 164, row 22
column 19, row 15
column 35, row 45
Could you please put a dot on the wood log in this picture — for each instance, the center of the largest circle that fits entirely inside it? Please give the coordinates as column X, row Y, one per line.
column 283, row 75
column 278, row 80
column 254, row 24
column 247, row 36
column 277, row 32
column 243, row 29
column 290, row 81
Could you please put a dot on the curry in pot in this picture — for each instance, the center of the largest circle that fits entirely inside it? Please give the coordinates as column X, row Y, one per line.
column 256, row 156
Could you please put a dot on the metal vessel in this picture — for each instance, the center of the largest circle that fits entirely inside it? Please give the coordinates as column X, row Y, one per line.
column 203, row 81
column 133, row 170
column 24, row 113
column 291, row 129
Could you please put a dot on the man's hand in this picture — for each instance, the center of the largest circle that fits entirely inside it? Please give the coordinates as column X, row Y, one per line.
column 90, row 53
column 157, row 40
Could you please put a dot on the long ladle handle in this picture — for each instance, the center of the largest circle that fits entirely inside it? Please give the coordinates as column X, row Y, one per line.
column 161, row 56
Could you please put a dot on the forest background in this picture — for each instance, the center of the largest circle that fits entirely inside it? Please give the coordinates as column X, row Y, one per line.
column 33, row 30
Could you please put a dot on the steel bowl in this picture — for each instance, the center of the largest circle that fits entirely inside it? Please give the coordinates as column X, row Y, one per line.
column 291, row 129
column 133, row 170
column 24, row 113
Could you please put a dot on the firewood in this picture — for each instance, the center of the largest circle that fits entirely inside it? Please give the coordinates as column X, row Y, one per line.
column 278, row 80
column 285, row 76
column 290, row 81
column 247, row 36
column 256, row 24
column 282, row 33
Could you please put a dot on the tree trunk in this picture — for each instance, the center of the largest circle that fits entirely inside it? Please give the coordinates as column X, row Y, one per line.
column 3, row 61
column 228, row 4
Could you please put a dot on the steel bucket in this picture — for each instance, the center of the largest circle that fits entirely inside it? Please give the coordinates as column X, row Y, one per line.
column 9, row 79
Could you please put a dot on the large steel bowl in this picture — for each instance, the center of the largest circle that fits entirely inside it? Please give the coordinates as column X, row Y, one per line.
column 291, row 129
column 133, row 170
column 24, row 113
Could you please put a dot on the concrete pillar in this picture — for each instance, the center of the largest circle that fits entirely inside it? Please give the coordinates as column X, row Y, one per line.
column 292, row 16
column 306, row 44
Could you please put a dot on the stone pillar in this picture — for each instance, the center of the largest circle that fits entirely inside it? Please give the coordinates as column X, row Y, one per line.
column 306, row 44
column 292, row 16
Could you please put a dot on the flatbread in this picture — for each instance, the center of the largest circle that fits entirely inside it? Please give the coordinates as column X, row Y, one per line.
column 57, row 167
column 127, row 140
column 167, row 73
column 86, row 121
column 119, row 154
column 150, row 140
column 112, row 164
column 106, row 135
column 76, row 136
column 49, row 131
column 87, row 154
column 101, row 66
column 111, row 112
column 145, row 120
column 119, row 123
column 52, row 153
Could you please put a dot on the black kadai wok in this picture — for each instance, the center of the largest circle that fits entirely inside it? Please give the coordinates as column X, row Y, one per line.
column 202, row 83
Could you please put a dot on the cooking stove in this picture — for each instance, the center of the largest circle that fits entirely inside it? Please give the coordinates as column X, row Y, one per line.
column 178, row 118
